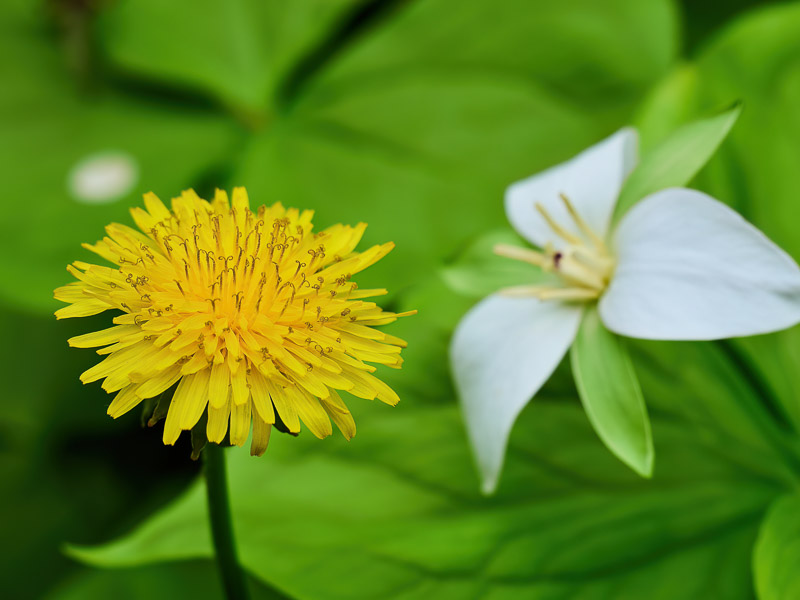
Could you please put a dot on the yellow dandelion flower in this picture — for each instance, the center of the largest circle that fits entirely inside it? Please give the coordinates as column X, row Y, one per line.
column 253, row 315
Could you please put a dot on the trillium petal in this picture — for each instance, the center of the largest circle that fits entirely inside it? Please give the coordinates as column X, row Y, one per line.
column 502, row 352
column 592, row 181
column 690, row 268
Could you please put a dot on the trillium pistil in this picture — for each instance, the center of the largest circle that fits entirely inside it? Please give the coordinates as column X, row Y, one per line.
column 584, row 265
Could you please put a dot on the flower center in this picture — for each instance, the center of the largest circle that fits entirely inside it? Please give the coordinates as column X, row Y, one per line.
column 584, row 265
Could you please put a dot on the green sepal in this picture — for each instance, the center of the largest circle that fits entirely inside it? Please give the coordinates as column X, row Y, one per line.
column 199, row 436
column 676, row 160
column 611, row 395
column 161, row 408
column 148, row 408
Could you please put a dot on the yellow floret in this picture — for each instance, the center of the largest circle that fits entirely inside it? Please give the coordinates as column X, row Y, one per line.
column 253, row 315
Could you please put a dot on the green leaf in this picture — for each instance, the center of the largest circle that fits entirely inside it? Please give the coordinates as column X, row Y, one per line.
column 755, row 60
column 669, row 105
column 716, row 396
column 677, row 159
column 610, row 393
column 420, row 140
column 478, row 271
column 398, row 510
column 569, row 520
column 49, row 126
column 776, row 561
column 425, row 376
column 238, row 51
column 196, row 580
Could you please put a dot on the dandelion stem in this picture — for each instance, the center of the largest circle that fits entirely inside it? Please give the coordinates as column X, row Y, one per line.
column 219, row 514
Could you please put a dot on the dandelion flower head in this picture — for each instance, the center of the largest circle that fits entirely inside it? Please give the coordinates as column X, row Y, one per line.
column 252, row 314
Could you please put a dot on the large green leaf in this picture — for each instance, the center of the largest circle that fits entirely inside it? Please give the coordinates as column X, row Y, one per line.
column 239, row 51
column 425, row 376
column 610, row 393
column 396, row 512
column 776, row 561
column 419, row 125
column 417, row 139
column 714, row 392
column 49, row 125
column 406, row 522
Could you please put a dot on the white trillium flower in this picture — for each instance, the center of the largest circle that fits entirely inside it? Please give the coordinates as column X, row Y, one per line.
column 678, row 266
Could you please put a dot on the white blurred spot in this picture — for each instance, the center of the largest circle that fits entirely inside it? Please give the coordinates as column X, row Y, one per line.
column 103, row 177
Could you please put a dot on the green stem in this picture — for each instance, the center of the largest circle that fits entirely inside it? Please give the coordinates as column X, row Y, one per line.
column 219, row 514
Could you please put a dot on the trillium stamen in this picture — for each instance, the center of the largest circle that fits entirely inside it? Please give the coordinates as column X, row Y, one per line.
column 584, row 264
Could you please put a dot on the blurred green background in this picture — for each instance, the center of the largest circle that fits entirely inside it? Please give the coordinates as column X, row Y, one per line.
column 412, row 116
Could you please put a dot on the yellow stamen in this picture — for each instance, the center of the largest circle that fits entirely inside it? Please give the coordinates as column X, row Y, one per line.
column 582, row 225
column 574, row 272
column 568, row 294
column 584, row 264
column 544, row 292
column 522, row 254
column 557, row 229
